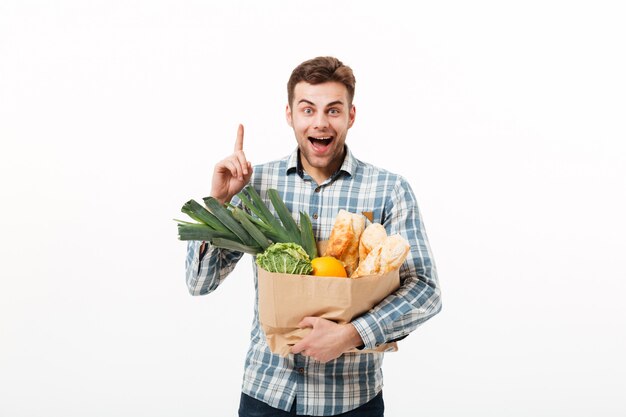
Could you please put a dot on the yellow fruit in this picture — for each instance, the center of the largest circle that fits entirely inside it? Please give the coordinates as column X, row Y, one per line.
column 327, row 266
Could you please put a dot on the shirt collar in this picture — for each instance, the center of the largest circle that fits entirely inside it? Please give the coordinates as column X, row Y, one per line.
column 347, row 167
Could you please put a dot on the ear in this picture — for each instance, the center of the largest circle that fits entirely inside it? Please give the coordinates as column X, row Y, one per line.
column 288, row 115
column 352, row 115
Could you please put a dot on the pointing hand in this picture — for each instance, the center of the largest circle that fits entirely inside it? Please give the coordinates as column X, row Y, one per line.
column 232, row 173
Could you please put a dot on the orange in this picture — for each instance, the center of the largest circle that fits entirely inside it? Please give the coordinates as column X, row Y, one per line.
column 327, row 266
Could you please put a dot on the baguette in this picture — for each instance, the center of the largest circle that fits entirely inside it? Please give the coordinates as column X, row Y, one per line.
column 345, row 236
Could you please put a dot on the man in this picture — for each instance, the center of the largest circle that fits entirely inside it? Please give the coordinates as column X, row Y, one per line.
column 321, row 177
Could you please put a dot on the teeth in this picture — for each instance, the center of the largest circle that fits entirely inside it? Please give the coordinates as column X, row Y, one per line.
column 325, row 138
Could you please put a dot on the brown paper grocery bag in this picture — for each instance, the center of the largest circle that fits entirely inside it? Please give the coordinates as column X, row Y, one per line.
column 284, row 299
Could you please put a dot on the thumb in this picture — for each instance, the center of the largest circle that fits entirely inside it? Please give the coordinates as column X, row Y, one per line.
column 307, row 322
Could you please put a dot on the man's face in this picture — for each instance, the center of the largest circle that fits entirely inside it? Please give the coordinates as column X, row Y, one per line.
column 320, row 116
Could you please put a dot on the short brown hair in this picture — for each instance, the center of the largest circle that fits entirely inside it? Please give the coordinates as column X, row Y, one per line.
column 320, row 70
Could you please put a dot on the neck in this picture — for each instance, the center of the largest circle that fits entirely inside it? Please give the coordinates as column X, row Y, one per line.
column 321, row 174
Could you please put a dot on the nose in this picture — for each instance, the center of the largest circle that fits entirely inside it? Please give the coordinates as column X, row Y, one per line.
column 321, row 120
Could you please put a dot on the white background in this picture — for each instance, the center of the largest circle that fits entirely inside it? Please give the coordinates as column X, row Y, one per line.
column 506, row 117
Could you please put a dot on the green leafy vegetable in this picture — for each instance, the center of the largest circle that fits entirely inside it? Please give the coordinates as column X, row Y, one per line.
column 251, row 228
column 286, row 258
column 306, row 235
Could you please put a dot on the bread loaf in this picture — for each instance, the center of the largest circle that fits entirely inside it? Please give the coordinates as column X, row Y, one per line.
column 394, row 251
column 345, row 236
column 372, row 236
column 386, row 256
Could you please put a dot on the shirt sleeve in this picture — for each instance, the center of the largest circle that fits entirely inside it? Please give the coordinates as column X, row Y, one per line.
column 419, row 297
column 206, row 271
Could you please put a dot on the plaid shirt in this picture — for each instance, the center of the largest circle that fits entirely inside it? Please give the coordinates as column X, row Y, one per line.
column 353, row 379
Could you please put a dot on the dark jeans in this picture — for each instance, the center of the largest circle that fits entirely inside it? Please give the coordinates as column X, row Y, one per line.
column 251, row 407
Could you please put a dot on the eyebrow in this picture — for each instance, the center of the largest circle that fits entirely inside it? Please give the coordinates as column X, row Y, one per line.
column 332, row 103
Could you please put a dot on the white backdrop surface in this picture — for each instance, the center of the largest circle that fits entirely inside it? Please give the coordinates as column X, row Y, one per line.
column 506, row 117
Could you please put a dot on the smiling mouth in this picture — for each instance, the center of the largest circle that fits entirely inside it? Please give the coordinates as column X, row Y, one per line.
column 321, row 141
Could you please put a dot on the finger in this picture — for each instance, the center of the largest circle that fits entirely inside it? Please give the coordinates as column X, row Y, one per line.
column 234, row 168
column 239, row 141
column 298, row 347
column 307, row 322
column 243, row 162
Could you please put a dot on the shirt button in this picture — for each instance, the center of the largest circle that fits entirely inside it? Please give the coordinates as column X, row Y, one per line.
column 317, row 189
column 301, row 371
column 315, row 215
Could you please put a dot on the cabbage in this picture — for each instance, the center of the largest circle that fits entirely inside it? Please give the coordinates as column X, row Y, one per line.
column 286, row 258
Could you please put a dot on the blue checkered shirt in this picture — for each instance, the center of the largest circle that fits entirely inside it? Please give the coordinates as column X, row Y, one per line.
column 323, row 389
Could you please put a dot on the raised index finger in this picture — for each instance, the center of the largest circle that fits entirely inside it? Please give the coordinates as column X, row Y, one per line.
column 239, row 141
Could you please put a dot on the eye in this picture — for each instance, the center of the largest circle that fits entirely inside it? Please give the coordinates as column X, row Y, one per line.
column 333, row 112
column 307, row 110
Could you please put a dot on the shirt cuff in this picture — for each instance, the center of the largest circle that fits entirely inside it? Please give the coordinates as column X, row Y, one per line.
column 194, row 260
column 370, row 331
